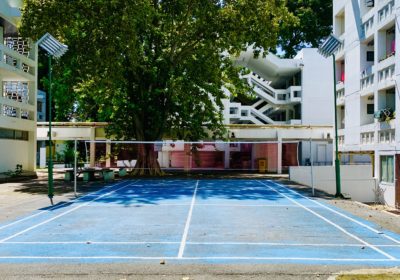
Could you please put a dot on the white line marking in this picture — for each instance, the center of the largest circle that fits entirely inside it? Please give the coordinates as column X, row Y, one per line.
column 333, row 224
column 63, row 214
column 196, row 258
column 341, row 214
column 187, row 225
column 56, row 207
column 191, row 243
column 137, row 205
column 87, row 242
column 250, row 205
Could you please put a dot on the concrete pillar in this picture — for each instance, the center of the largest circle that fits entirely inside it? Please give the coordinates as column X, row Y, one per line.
column 92, row 151
column 279, row 153
column 227, row 156
column 108, row 154
column 187, row 158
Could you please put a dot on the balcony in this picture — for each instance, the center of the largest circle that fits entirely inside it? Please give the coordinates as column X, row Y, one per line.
column 340, row 97
column 368, row 28
column 386, row 77
column 386, row 136
column 367, row 138
column 341, row 140
column 340, row 51
column 366, row 81
column 16, row 64
column 386, row 13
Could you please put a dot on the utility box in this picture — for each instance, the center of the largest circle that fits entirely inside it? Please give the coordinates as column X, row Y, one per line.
column 262, row 165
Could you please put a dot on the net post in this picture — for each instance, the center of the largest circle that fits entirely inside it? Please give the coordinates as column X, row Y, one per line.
column 75, row 165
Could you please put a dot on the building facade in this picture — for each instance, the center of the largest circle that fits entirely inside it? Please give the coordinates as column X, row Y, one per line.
column 368, row 88
column 18, row 76
column 289, row 94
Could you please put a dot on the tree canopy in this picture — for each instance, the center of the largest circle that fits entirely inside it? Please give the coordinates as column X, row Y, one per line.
column 152, row 67
column 315, row 23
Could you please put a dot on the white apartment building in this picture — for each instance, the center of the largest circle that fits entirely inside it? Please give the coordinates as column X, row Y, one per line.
column 288, row 91
column 289, row 94
column 368, row 88
column 18, row 76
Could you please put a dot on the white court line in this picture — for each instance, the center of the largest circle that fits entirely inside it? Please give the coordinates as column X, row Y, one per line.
column 190, row 243
column 63, row 214
column 333, row 224
column 136, row 205
column 193, row 243
column 251, row 205
column 341, row 214
column 187, row 225
column 195, row 258
column 62, row 204
column 88, row 242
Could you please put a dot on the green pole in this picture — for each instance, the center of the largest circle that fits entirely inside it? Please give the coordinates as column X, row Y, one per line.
column 50, row 167
column 337, row 161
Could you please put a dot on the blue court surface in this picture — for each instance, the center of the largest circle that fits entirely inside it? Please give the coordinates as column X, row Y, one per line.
column 197, row 221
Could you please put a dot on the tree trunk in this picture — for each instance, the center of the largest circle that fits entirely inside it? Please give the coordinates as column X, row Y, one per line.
column 147, row 163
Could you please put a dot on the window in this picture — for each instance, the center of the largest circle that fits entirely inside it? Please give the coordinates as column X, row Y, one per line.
column 387, row 169
column 40, row 106
column 370, row 109
column 370, row 56
column 13, row 134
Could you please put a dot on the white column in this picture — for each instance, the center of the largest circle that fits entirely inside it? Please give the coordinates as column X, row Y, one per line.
column 92, row 151
column 279, row 153
column 108, row 154
column 227, row 157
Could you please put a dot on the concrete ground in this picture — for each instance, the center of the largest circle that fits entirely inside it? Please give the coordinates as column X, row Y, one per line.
column 18, row 199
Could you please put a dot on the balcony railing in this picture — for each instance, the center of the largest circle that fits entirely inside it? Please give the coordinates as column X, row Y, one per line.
column 386, row 11
column 341, row 140
column 367, row 81
column 367, row 138
column 386, row 73
column 386, row 136
column 17, row 60
column 340, row 95
column 368, row 25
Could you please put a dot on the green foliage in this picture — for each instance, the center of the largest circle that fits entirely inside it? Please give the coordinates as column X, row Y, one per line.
column 152, row 68
column 314, row 24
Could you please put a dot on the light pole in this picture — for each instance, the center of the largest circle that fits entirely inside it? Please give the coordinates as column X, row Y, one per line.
column 55, row 49
column 328, row 48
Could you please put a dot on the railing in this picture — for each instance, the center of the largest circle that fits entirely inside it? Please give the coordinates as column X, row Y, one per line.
column 367, row 81
column 386, row 136
column 386, row 11
column 17, row 60
column 16, row 90
column 341, row 140
column 341, row 47
column 14, row 109
column 386, row 73
column 368, row 25
column 367, row 138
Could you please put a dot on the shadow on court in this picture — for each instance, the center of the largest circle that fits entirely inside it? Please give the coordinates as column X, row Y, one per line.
column 154, row 192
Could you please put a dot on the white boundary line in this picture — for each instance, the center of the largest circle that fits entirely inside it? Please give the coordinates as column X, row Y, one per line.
column 333, row 224
column 192, row 243
column 251, row 205
column 57, row 206
column 195, row 258
column 340, row 214
column 64, row 213
column 187, row 225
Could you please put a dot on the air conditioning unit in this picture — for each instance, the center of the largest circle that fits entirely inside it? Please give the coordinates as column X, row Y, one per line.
column 369, row 3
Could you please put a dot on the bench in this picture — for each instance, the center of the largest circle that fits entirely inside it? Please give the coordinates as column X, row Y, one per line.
column 106, row 173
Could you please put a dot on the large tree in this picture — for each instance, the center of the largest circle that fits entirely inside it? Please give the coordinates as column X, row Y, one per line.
column 315, row 23
column 154, row 67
